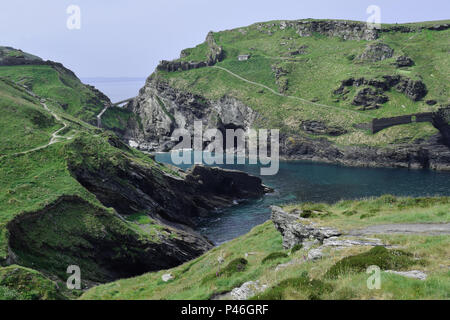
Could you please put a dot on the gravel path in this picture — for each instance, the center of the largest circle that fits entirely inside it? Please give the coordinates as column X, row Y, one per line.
column 404, row 228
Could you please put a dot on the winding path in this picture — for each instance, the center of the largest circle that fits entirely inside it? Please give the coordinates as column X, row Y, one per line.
column 291, row 97
column 54, row 137
column 404, row 228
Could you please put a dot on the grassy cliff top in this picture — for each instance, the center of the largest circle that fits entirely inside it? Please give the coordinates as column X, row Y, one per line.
column 305, row 70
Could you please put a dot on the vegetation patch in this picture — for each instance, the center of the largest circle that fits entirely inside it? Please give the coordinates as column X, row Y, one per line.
column 274, row 256
column 309, row 289
column 19, row 283
column 378, row 256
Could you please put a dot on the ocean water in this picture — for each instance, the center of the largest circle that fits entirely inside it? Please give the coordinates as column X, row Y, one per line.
column 303, row 181
column 117, row 89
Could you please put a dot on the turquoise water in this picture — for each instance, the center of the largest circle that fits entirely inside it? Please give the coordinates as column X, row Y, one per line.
column 301, row 181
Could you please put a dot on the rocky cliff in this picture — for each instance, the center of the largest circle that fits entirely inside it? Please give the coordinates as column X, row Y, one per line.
column 162, row 109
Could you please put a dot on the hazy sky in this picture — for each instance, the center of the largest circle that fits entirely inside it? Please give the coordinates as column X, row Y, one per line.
column 129, row 38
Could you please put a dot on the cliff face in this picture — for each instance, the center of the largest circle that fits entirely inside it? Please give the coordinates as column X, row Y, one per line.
column 162, row 109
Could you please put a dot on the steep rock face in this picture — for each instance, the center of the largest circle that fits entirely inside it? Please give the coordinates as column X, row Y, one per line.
column 431, row 154
column 162, row 109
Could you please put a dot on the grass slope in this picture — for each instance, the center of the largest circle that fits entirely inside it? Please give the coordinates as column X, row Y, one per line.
column 205, row 277
column 60, row 85
column 314, row 76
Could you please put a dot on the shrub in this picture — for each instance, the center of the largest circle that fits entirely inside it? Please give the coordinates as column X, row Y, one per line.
column 296, row 247
column 378, row 256
column 274, row 256
column 235, row 266
column 313, row 289
column 349, row 213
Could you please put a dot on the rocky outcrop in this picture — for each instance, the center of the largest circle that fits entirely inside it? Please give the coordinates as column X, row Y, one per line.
column 404, row 61
column 413, row 89
column 430, row 154
column 296, row 231
column 369, row 98
column 215, row 54
column 320, row 128
column 334, row 28
column 162, row 109
column 173, row 199
column 376, row 52
column 347, row 30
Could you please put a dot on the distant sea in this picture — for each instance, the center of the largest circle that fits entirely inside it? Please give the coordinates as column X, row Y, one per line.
column 117, row 89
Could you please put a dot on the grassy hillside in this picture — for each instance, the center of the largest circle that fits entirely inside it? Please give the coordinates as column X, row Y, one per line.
column 47, row 217
column 307, row 71
column 204, row 278
column 60, row 85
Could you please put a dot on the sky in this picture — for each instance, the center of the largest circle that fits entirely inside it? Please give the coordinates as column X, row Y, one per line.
column 127, row 38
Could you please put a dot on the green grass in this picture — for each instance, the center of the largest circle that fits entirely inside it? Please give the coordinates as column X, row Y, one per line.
column 60, row 85
column 377, row 256
column 24, row 123
column 316, row 74
column 117, row 119
column 19, row 283
column 198, row 279
column 349, row 214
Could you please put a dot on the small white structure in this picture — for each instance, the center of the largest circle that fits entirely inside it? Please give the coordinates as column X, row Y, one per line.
column 243, row 57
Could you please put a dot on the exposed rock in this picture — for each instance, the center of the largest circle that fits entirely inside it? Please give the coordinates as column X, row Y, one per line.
column 338, row 243
column 318, row 127
column 294, row 232
column 315, row 254
column 335, row 28
column 215, row 54
column 415, row 274
column 414, row 89
column 163, row 109
column 431, row 102
column 369, row 97
column 376, row 52
column 247, row 290
column 167, row 277
column 404, row 61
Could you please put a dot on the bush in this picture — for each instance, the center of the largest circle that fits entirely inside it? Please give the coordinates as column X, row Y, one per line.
column 274, row 256
column 235, row 266
column 296, row 247
column 313, row 289
column 378, row 256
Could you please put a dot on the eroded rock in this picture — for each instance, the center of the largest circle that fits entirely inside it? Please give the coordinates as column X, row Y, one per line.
column 295, row 232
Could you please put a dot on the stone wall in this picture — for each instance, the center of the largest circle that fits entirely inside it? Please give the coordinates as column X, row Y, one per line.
column 383, row 123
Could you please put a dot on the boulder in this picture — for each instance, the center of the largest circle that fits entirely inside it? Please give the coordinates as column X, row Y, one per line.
column 415, row 274
column 295, row 232
column 376, row 52
column 404, row 61
column 247, row 290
